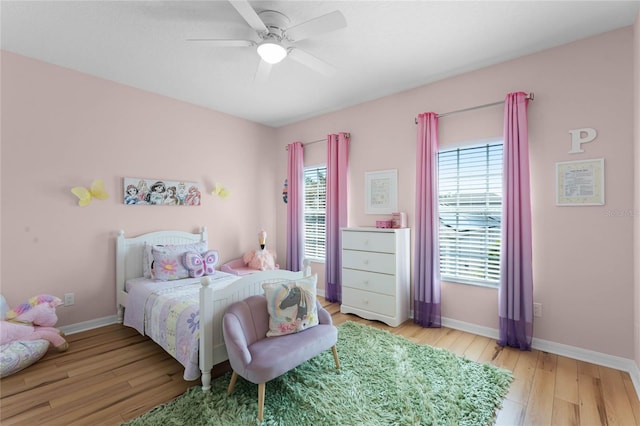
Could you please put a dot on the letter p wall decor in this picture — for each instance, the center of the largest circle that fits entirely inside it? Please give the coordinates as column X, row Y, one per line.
column 580, row 136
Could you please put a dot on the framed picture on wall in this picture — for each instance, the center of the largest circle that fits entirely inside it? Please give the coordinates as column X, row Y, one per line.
column 138, row 191
column 580, row 183
column 381, row 192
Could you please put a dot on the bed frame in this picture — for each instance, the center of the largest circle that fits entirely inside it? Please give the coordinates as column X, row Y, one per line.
column 213, row 302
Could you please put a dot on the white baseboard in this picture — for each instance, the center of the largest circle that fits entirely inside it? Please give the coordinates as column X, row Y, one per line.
column 586, row 355
column 634, row 372
column 89, row 325
column 492, row 333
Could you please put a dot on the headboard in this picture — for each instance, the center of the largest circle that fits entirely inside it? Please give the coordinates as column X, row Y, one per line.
column 130, row 251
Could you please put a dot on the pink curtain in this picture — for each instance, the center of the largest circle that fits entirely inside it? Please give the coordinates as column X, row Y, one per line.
column 516, row 273
column 295, row 231
column 426, row 268
column 337, row 196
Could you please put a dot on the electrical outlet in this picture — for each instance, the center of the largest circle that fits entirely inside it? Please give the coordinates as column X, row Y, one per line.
column 69, row 299
column 537, row 310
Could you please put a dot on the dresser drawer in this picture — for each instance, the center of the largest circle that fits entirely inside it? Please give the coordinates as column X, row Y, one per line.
column 384, row 242
column 369, row 281
column 369, row 261
column 374, row 302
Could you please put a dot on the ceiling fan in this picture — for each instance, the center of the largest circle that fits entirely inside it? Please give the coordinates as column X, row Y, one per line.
column 276, row 39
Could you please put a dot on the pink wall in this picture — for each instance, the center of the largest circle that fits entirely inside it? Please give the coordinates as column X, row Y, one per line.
column 61, row 128
column 583, row 256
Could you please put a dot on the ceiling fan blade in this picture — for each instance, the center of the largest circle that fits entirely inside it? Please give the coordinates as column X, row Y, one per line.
column 225, row 43
column 246, row 11
column 320, row 25
column 262, row 73
column 307, row 59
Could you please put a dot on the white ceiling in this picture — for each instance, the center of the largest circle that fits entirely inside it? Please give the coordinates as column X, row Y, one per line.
column 387, row 47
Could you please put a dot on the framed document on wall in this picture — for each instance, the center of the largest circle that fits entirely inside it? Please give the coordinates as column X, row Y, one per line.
column 381, row 192
column 580, row 183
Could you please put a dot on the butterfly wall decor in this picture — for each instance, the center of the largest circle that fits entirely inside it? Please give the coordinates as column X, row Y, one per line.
column 85, row 195
column 221, row 192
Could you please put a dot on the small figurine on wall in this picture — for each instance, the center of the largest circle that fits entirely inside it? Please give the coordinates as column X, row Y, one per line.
column 285, row 191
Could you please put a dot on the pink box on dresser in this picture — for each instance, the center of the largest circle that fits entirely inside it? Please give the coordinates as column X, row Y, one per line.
column 384, row 223
column 399, row 220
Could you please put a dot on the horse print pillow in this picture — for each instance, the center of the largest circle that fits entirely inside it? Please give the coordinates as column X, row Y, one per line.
column 292, row 305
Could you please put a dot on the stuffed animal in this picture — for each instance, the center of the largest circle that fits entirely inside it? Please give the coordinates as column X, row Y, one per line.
column 261, row 260
column 34, row 320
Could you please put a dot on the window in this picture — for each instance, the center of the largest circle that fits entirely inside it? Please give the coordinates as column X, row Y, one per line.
column 315, row 212
column 470, row 197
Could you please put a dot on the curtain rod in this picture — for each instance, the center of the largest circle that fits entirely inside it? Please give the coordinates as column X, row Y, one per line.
column 286, row 147
column 312, row 142
column 529, row 96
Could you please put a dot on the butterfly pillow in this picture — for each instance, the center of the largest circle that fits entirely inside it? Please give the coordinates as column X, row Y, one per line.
column 199, row 265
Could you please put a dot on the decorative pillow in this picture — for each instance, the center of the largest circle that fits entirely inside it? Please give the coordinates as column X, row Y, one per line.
column 167, row 260
column 20, row 354
column 199, row 265
column 291, row 305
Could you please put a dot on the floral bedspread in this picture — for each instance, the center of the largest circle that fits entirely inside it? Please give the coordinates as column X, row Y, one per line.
column 168, row 312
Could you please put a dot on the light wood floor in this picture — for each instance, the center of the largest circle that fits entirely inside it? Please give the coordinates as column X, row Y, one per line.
column 112, row 374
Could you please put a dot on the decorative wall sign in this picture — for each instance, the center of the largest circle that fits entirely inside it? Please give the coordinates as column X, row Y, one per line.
column 381, row 192
column 161, row 192
column 580, row 183
column 580, row 136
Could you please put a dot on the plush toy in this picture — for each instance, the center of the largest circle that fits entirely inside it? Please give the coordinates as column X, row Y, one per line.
column 33, row 320
column 263, row 259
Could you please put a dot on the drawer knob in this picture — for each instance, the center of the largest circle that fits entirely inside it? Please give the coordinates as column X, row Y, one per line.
column 366, row 301
column 366, row 242
column 366, row 282
column 365, row 261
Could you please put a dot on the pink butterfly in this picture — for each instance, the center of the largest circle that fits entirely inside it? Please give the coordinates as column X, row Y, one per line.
column 199, row 265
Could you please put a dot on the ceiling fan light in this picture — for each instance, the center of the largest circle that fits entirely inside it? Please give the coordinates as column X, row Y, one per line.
column 271, row 52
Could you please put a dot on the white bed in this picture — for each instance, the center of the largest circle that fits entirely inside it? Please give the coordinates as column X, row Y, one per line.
column 213, row 294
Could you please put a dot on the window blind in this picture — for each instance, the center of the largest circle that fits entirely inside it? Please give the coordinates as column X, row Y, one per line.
column 470, row 202
column 315, row 210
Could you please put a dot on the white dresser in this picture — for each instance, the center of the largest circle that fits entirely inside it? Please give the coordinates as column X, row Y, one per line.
column 375, row 274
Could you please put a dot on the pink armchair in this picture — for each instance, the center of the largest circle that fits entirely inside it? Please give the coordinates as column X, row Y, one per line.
column 258, row 358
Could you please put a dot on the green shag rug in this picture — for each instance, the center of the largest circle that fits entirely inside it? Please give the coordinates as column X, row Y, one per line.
column 384, row 380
